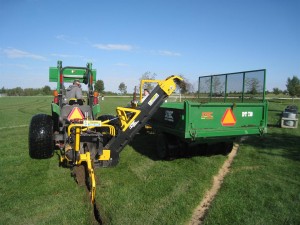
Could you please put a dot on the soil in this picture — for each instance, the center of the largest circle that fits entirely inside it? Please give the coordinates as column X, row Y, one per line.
column 202, row 208
column 80, row 175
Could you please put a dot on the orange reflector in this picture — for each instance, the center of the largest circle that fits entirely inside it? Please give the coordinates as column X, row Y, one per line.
column 75, row 114
column 55, row 93
column 96, row 94
column 228, row 118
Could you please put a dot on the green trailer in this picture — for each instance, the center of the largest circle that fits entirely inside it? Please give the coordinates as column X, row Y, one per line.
column 227, row 106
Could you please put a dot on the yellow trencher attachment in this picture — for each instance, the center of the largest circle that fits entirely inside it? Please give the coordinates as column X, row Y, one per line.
column 168, row 85
column 87, row 158
column 127, row 116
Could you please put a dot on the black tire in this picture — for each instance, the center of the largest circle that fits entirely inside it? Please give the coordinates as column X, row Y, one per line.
column 162, row 148
column 41, row 145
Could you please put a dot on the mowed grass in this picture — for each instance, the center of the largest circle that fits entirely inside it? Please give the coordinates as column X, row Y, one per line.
column 263, row 186
column 140, row 190
column 34, row 191
column 144, row 190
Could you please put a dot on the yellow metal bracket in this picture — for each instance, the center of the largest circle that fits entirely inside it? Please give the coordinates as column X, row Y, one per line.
column 142, row 85
column 91, row 124
column 169, row 85
column 105, row 155
column 127, row 117
column 87, row 158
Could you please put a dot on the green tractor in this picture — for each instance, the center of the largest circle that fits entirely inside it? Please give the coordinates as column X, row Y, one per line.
column 79, row 135
column 46, row 131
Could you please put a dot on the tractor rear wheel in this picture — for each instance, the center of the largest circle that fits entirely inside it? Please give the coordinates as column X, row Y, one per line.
column 41, row 145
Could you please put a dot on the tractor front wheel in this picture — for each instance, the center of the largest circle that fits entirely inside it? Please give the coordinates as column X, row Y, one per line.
column 41, row 145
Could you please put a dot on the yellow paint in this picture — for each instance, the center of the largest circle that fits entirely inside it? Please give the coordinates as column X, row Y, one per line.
column 169, row 85
column 87, row 158
column 127, row 116
column 105, row 155
column 77, row 139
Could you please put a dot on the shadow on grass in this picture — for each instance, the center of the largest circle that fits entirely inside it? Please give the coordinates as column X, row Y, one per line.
column 146, row 144
column 288, row 144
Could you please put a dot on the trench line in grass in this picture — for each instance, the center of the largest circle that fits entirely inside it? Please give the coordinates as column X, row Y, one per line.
column 203, row 207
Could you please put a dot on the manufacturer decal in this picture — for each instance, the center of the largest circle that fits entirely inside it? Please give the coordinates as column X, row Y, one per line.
column 169, row 116
column 247, row 114
column 133, row 124
column 153, row 99
column 207, row 116
column 94, row 123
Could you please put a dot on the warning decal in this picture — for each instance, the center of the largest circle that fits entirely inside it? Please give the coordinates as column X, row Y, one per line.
column 75, row 114
column 228, row 118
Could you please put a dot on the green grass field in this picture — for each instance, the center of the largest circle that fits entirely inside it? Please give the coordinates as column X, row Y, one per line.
column 263, row 186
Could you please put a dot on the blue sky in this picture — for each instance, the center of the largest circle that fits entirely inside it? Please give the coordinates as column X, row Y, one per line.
column 125, row 39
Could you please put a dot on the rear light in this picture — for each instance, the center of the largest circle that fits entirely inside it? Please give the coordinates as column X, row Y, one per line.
column 61, row 78
column 96, row 95
column 56, row 99
column 91, row 80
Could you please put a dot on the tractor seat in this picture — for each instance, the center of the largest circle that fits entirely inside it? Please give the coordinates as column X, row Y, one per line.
column 75, row 101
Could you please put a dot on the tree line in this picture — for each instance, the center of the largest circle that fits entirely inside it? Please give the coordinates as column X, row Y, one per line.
column 292, row 85
column 18, row 91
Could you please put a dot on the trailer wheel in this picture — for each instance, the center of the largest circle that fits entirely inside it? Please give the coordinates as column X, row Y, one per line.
column 40, row 138
column 162, row 149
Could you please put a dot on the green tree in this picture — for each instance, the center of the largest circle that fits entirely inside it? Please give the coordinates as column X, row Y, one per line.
column 252, row 85
column 46, row 90
column 293, row 86
column 2, row 91
column 18, row 91
column 123, row 88
column 29, row 91
column 277, row 91
column 99, row 86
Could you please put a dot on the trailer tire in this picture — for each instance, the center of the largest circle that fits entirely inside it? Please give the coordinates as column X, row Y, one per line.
column 162, row 149
column 41, row 145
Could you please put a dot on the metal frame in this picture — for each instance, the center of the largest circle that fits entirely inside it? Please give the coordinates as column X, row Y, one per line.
column 226, row 83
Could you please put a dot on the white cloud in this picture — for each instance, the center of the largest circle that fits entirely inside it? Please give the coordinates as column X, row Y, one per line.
column 168, row 53
column 66, row 55
column 119, row 47
column 16, row 53
column 65, row 38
